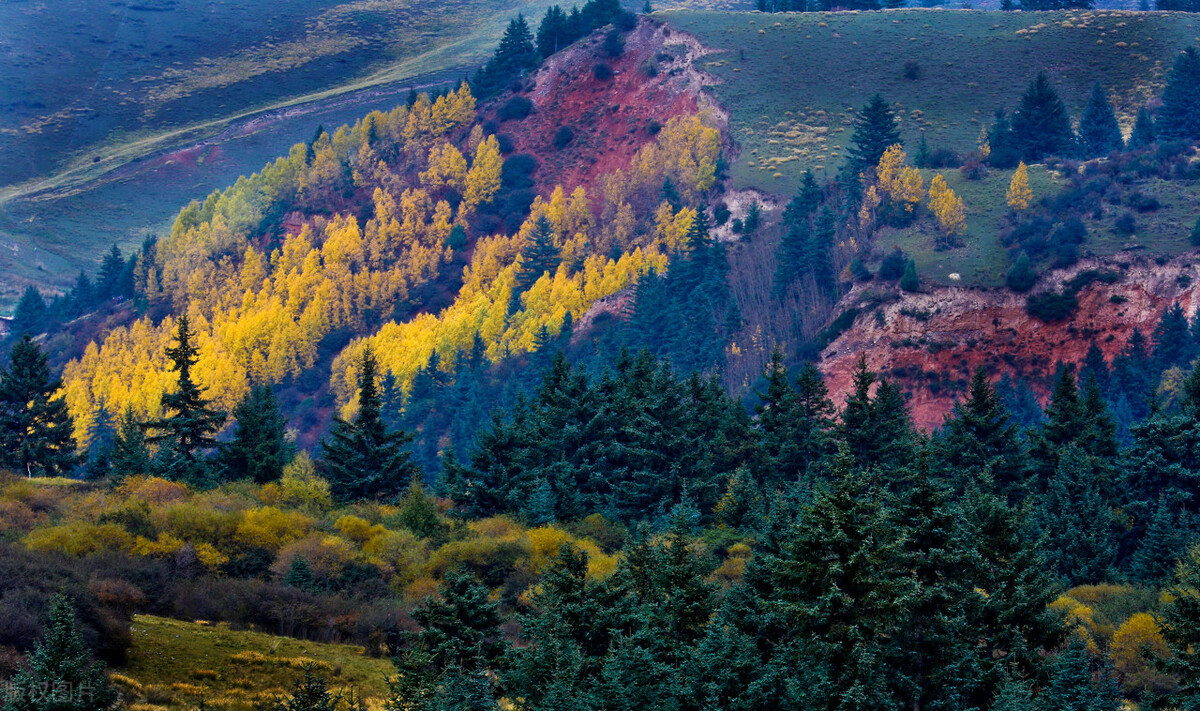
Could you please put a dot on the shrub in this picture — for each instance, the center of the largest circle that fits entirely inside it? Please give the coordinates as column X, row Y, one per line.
column 649, row 68
column 912, row 70
column 1021, row 277
column 653, row 127
column 1142, row 202
column 1126, row 225
column 515, row 109
column 1051, row 306
column 1195, row 236
column 602, row 71
column 613, row 45
column 892, row 266
column 563, row 137
column 973, row 170
column 720, row 214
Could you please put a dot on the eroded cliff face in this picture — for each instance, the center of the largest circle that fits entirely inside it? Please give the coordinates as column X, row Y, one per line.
column 932, row 342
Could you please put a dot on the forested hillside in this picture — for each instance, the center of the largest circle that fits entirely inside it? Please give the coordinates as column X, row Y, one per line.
column 526, row 394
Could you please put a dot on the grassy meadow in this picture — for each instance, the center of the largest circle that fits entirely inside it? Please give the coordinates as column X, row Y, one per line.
column 792, row 81
column 174, row 664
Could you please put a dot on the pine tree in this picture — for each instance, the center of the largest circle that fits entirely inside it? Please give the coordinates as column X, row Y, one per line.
column 191, row 424
column 130, row 457
column 309, row 693
column 362, row 457
column 539, row 257
column 554, row 32
column 31, row 314
column 1160, row 548
column 1099, row 133
column 459, row 630
column 1179, row 115
column 1143, row 130
column 35, row 427
column 260, row 448
column 1041, row 126
column 874, row 132
column 60, row 674
column 1179, row 622
column 1173, row 344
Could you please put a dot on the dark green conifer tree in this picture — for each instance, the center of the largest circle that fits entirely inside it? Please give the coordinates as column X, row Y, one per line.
column 875, row 131
column 1160, row 548
column 260, row 448
column 60, row 674
column 1021, row 277
column 1003, row 150
column 112, row 268
column 31, row 314
column 1143, row 130
column 1041, row 126
column 1179, row 116
column 979, row 436
column 1079, row 684
column 36, row 436
column 1099, row 133
column 1179, row 622
column 102, row 434
column 130, row 457
column 1073, row 522
column 362, row 457
column 189, row 427
column 909, row 280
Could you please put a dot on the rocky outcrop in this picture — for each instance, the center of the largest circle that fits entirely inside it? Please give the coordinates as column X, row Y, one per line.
column 932, row 342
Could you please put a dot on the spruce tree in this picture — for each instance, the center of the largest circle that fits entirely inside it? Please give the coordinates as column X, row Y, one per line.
column 1076, row 683
column 1041, row 126
column 60, row 674
column 129, row 457
column 874, row 132
column 108, row 283
column 1173, row 344
column 30, row 318
column 979, row 435
column 1074, row 523
column 35, row 428
column 1099, row 133
column 190, row 425
column 1179, row 116
column 362, row 457
column 1003, row 149
column 1160, row 548
column 539, row 257
column 260, row 448
column 102, row 434
column 309, row 693
column 1143, row 130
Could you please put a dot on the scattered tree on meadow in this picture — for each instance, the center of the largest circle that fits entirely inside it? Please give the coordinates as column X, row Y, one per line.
column 947, row 207
column 875, row 131
column 909, row 280
column 1040, row 125
column 1143, row 130
column 1099, row 133
column 1021, row 277
column 1020, row 196
column 1179, row 115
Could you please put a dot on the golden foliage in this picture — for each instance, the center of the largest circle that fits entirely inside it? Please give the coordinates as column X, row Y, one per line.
column 483, row 180
column 1138, row 634
column 1020, row 196
column 947, row 207
column 900, row 183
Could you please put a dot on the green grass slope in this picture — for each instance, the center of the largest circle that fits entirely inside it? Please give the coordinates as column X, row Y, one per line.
column 791, row 81
column 173, row 665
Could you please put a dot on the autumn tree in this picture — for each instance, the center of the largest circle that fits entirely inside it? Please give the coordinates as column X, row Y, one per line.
column 483, row 179
column 35, row 427
column 1020, row 196
column 947, row 207
column 362, row 457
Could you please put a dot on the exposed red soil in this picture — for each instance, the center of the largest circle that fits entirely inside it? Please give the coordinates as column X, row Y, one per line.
column 951, row 332
column 611, row 118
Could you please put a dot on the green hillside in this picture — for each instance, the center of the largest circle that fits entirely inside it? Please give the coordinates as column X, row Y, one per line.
column 792, row 80
column 173, row 665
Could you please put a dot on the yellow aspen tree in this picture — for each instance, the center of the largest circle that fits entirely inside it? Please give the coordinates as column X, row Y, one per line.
column 447, row 168
column 1020, row 196
column 483, row 180
column 947, row 207
column 901, row 184
column 866, row 211
column 984, row 146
